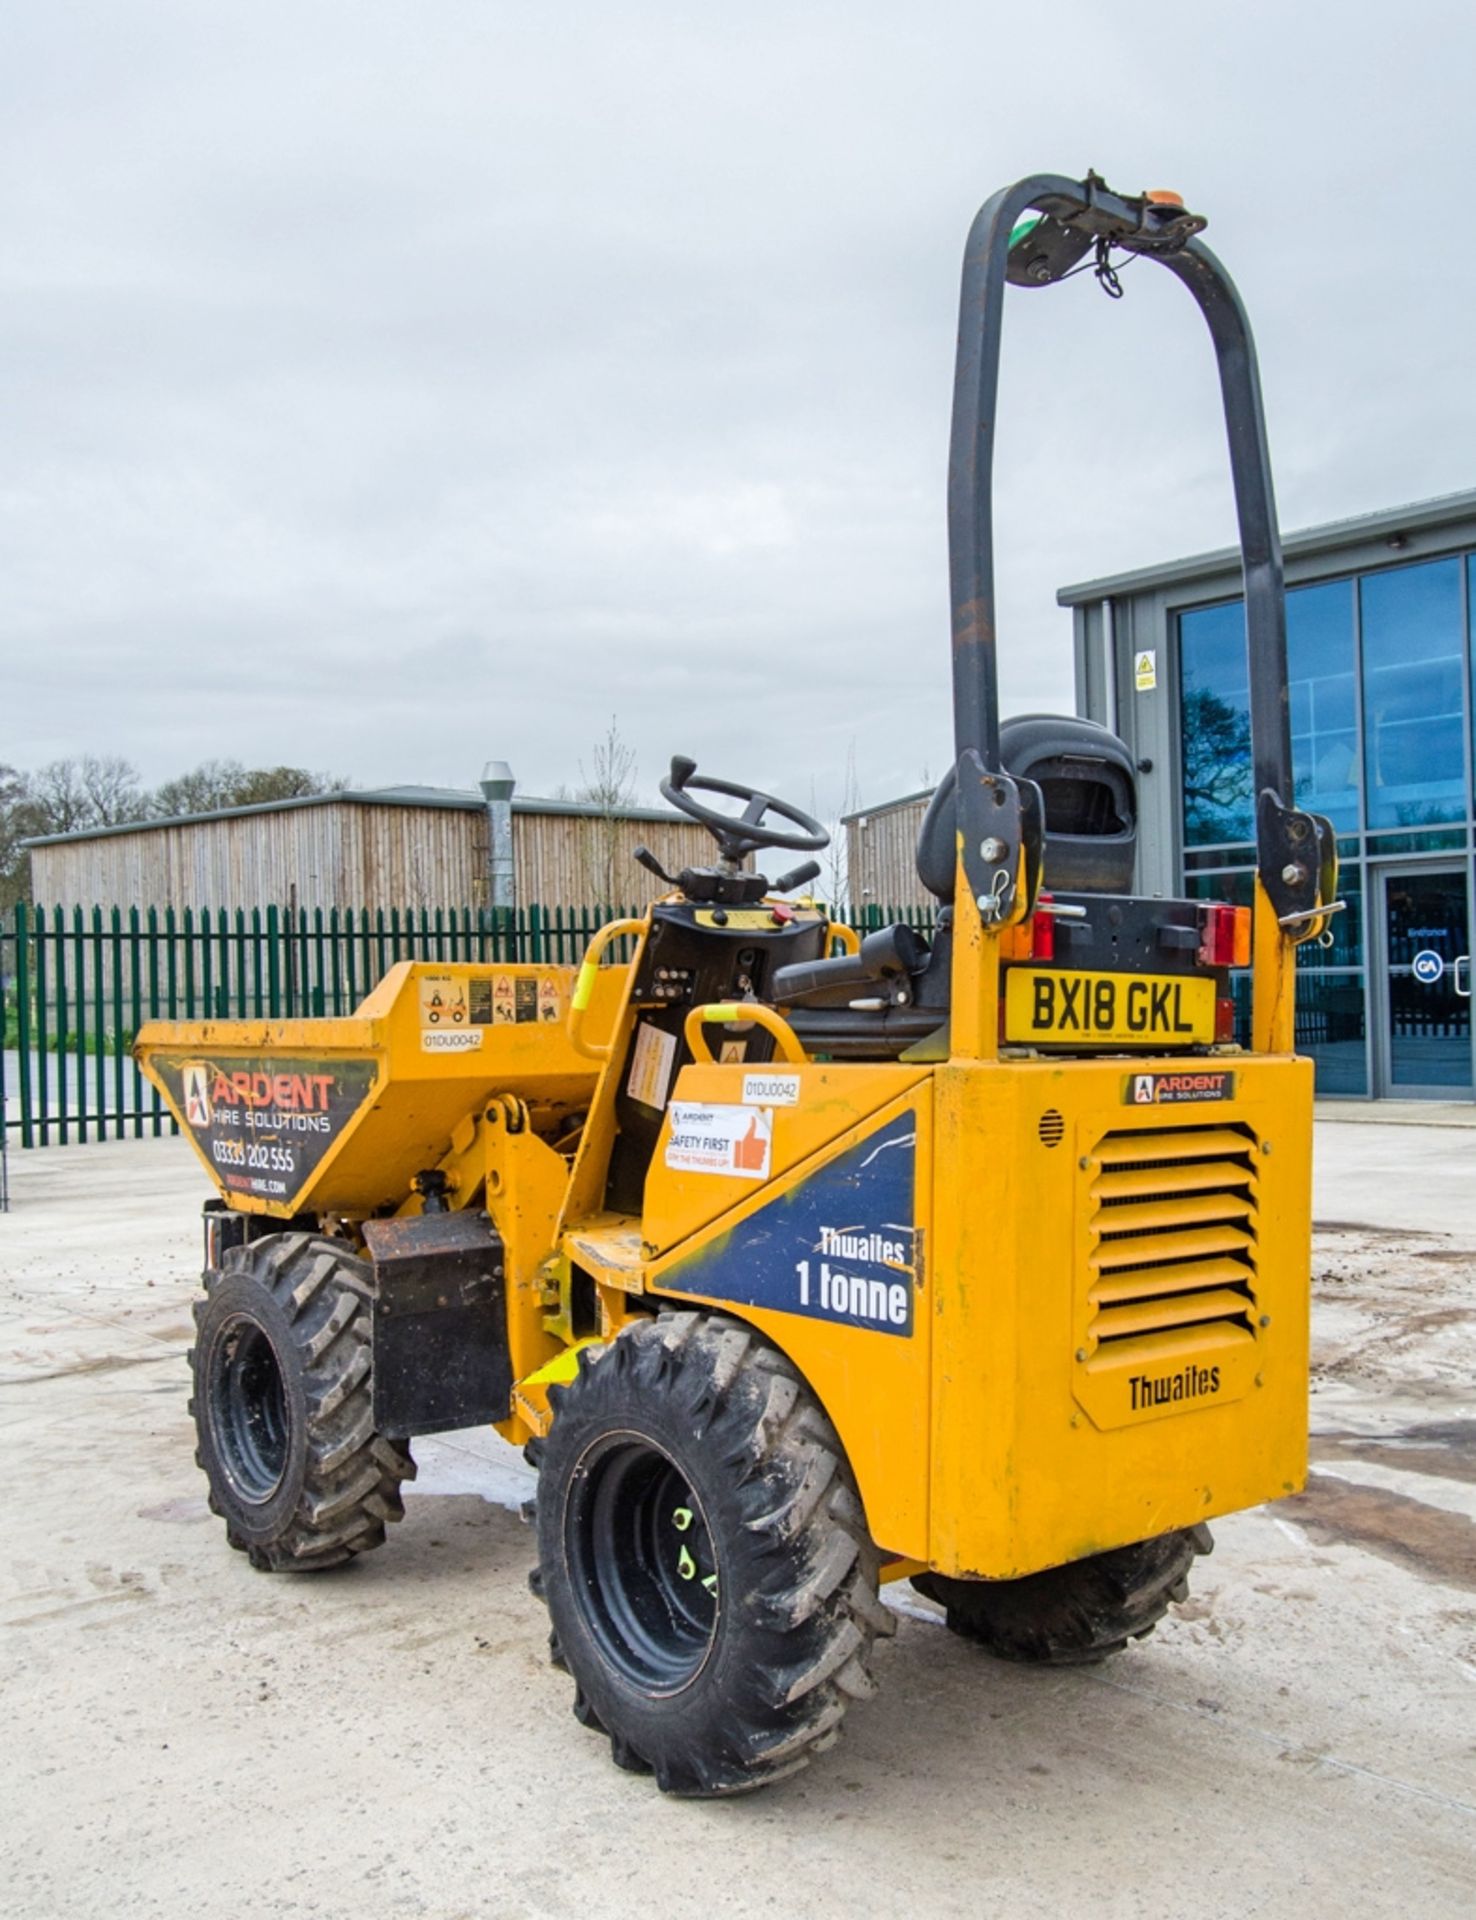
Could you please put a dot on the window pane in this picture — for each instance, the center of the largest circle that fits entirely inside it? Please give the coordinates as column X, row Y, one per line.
column 1319, row 652
column 1331, row 1023
column 1414, row 694
column 1431, row 840
column 1239, row 856
column 1215, row 725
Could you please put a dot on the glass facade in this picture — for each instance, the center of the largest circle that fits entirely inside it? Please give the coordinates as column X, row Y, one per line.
column 1381, row 685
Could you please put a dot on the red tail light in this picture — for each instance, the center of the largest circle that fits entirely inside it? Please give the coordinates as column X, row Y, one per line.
column 1043, row 930
column 1224, row 936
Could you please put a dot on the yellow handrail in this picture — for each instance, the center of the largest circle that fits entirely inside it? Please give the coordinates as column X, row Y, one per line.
column 585, row 981
column 850, row 940
column 724, row 1012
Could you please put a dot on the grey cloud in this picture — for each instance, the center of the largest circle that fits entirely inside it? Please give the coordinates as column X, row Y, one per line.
column 387, row 386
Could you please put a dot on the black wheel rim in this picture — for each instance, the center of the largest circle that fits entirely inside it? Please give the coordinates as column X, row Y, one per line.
column 248, row 1411
column 643, row 1568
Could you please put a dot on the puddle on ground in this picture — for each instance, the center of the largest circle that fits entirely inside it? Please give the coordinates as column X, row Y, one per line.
column 1431, row 1541
column 1444, row 1449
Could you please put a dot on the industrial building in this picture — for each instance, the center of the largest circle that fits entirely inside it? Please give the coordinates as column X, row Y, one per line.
column 1380, row 654
column 1379, row 639
column 406, row 847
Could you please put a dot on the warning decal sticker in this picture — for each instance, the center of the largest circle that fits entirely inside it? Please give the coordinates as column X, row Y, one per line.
column 266, row 1125
column 841, row 1246
column 651, row 1061
column 442, row 1000
column 719, row 1139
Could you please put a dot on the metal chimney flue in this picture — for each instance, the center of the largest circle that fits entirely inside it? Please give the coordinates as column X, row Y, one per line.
column 497, row 790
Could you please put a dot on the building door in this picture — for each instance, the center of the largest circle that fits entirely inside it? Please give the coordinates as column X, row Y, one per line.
column 1425, row 1051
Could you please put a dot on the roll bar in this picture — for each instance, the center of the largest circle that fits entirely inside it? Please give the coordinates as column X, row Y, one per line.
column 1295, row 850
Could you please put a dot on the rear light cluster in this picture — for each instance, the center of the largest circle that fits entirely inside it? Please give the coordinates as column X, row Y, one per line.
column 1033, row 938
column 1224, row 936
column 1043, row 930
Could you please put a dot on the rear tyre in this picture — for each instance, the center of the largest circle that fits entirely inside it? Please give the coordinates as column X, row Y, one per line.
column 1072, row 1615
column 283, row 1407
column 704, row 1556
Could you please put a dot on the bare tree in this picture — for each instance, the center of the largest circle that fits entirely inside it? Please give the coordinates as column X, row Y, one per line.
column 112, row 788
column 610, row 787
column 835, row 871
column 15, row 824
column 612, row 783
column 227, row 783
column 58, row 799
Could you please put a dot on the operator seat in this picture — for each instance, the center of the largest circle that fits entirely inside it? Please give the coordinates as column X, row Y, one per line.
column 894, row 993
column 1085, row 775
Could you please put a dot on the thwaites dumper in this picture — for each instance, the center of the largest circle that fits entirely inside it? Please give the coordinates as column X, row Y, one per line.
column 800, row 1262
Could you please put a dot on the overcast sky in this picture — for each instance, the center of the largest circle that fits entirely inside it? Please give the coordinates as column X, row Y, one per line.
column 384, row 387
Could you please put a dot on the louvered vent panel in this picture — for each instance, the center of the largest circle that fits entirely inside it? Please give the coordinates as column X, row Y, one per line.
column 1175, row 1229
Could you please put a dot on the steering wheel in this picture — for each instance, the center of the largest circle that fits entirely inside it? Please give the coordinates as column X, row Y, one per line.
column 740, row 834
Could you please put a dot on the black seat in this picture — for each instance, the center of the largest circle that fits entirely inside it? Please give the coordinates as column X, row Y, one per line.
column 895, row 992
column 1085, row 775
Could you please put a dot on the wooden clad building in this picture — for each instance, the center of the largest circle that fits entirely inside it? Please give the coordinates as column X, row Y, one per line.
column 881, row 853
column 400, row 846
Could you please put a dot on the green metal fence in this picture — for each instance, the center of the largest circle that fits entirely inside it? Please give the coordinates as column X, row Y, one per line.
column 76, row 985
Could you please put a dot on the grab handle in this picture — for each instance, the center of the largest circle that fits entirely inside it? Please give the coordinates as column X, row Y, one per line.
column 723, row 1013
column 584, row 985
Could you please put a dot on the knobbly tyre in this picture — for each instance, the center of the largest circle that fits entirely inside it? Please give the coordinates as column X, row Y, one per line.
column 801, row 1262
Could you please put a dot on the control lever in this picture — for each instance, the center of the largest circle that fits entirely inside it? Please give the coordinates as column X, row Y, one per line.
column 806, row 870
column 648, row 860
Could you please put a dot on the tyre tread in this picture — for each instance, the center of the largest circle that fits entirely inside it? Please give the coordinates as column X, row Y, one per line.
column 751, row 1404
column 351, row 1487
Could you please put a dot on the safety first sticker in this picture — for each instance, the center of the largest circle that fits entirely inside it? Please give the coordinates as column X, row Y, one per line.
column 736, row 1141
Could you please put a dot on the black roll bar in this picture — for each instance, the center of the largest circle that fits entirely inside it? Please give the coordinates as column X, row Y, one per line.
column 1159, row 227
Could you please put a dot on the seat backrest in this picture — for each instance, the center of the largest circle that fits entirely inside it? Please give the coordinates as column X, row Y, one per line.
column 1085, row 775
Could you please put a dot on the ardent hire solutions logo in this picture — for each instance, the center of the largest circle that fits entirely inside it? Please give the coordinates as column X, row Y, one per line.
column 197, row 1095
column 1173, row 1089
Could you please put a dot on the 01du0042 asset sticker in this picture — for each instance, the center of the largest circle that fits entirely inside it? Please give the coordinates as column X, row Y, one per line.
column 841, row 1246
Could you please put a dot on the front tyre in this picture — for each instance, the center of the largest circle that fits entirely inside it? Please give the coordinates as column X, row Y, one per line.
column 1078, row 1613
column 283, row 1407
column 704, row 1556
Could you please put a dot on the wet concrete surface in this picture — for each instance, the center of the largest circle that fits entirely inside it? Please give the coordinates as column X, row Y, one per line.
column 184, row 1736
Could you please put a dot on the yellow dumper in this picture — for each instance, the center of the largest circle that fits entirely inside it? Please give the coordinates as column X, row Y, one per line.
column 801, row 1262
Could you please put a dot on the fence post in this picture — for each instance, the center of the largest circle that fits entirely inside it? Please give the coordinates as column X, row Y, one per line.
column 23, row 1019
column 274, row 964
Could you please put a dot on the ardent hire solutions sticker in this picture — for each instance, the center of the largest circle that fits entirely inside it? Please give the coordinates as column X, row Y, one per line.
column 1177, row 1089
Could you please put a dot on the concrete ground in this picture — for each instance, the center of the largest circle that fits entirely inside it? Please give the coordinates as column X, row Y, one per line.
column 184, row 1736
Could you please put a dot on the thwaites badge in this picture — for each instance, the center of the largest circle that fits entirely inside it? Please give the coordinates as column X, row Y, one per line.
column 841, row 1246
column 1177, row 1089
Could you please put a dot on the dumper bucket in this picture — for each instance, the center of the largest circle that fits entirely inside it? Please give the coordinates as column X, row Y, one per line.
column 338, row 1115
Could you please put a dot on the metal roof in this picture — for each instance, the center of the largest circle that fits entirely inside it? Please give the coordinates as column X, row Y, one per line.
column 887, row 806
column 1418, row 516
column 457, row 799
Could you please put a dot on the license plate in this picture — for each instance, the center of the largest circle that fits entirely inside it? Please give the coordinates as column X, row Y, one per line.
column 1113, row 1009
